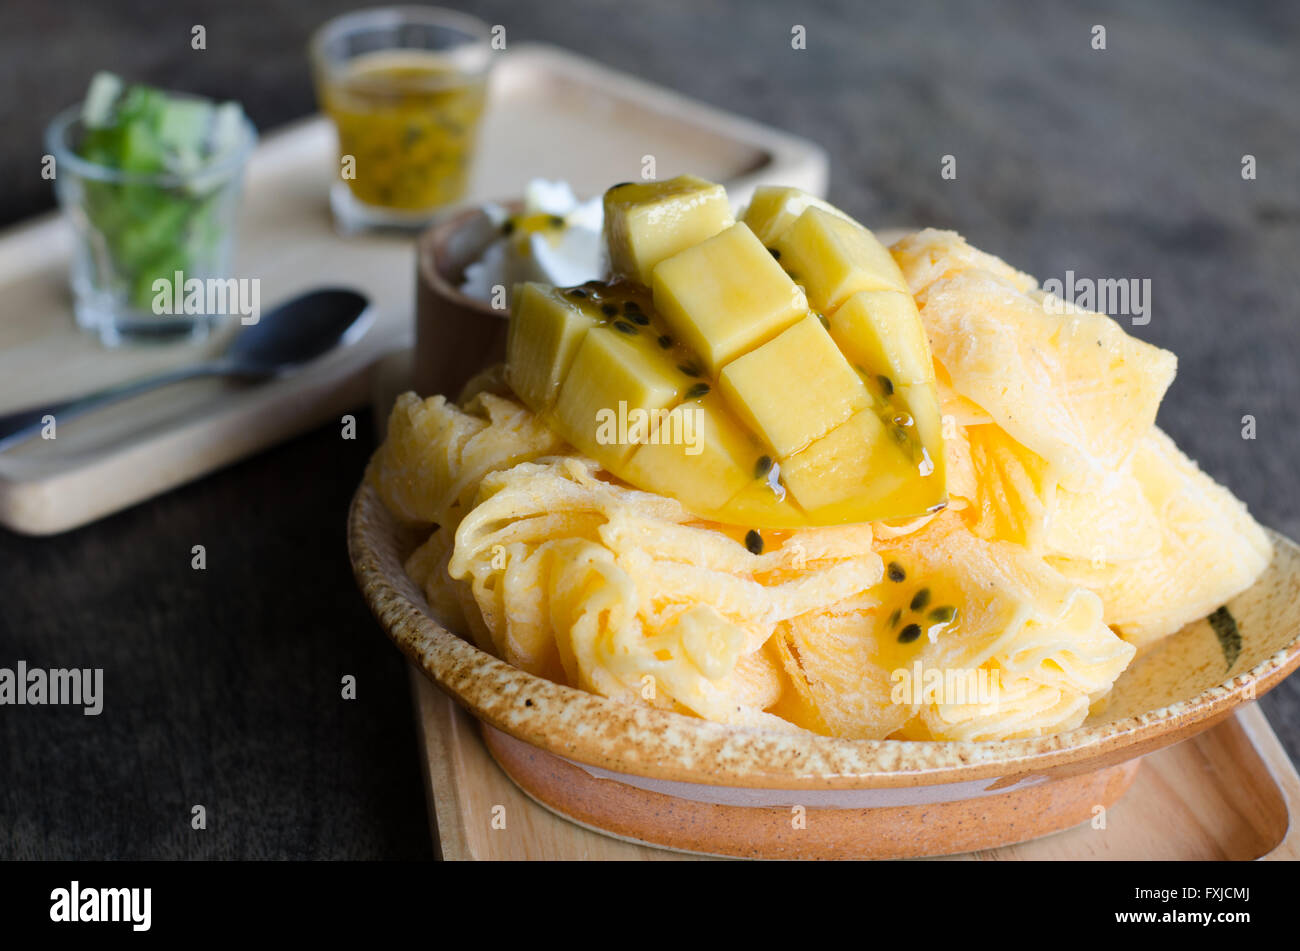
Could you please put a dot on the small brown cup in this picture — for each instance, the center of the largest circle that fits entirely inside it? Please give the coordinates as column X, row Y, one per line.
column 456, row 336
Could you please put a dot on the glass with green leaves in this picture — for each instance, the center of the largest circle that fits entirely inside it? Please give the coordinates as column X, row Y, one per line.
column 150, row 182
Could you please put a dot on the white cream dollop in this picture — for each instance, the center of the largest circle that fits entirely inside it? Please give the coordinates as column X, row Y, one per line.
column 564, row 255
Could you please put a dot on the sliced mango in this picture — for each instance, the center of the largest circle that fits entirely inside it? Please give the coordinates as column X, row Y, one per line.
column 613, row 374
column 862, row 472
column 775, row 207
column 855, row 457
column 835, row 258
column 701, row 372
column 703, row 457
column 763, row 505
column 795, row 388
column 881, row 331
column 647, row 222
column 726, row 295
column 542, row 338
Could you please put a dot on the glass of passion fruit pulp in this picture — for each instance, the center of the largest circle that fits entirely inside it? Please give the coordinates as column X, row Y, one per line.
column 405, row 87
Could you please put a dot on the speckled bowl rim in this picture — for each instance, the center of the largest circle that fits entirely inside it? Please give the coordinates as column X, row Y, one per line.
column 659, row 744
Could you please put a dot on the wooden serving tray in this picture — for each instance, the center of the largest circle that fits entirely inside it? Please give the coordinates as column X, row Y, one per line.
column 1230, row 793
column 550, row 114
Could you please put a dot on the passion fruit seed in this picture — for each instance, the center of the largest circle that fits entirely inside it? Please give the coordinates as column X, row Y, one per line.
column 637, row 318
column 943, row 614
column 886, row 384
column 688, row 369
column 775, row 253
column 920, row 600
column 609, row 310
column 622, row 326
column 825, row 323
column 508, row 226
column 697, row 391
column 895, row 571
column 909, row 634
column 754, row 542
column 894, row 618
column 577, row 292
column 762, row 467
column 665, row 341
column 556, row 221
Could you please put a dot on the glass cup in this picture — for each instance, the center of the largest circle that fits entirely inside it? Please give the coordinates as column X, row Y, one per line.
column 133, row 229
column 405, row 87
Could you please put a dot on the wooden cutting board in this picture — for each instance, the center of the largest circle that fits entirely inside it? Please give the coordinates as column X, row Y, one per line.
column 551, row 114
column 1230, row 793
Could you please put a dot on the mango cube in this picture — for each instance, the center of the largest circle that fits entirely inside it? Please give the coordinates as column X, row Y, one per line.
column 700, row 456
column 773, row 208
column 544, row 334
column 614, row 394
column 795, row 388
column 881, row 332
column 700, row 370
column 758, row 506
column 839, row 466
column 836, row 258
column 726, row 295
column 645, row 223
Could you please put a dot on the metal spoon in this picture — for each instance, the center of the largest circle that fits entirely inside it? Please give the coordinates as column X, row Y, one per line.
column 299, row 330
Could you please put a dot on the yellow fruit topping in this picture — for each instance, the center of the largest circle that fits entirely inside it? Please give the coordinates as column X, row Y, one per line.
column 794, row 389
column 541, row 342
column 648, row 222
column 703, row 454
column 611, row 370
column 726, row 296
column 835, row 258
column 882, row 330
column 774, row 208
column 837, row 466
column 718, row 385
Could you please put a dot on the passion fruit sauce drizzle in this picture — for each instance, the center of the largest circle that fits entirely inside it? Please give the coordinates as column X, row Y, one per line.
column 897, row 419
column 409, row 118
column 915, row 610
column 626, row 307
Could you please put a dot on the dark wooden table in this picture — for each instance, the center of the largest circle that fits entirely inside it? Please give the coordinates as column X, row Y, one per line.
column 223, row 686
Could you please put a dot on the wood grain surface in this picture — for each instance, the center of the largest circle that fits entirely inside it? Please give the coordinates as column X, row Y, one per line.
column 224, row 689
column 1230, row 793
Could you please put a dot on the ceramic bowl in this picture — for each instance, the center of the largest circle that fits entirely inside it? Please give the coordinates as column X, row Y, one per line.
column 679, row 782
column 684, row 783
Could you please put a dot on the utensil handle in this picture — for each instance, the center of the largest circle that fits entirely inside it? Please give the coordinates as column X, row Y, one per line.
column 24, row 423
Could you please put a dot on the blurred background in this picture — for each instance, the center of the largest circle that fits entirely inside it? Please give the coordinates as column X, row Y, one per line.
column 1118, row 162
